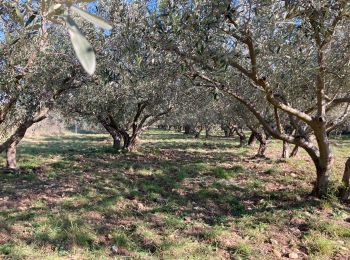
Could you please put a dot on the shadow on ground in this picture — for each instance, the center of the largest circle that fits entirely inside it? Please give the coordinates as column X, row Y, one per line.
column 82, row 194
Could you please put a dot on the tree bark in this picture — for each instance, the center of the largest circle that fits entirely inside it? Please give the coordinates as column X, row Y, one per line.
column 126, row 141
column 198, row 132
column 345, row 189
column 228, row 129
column 294, row 151
column 132, row 143
column 113, row 132
column 263, row 144
column 11, row 156
column 116, row 141
column 10, row 144
column 322, row 180
column 252, row 139
column 242, row 137
column 207, row 131
column 188, row 129
column 285, row 150
column 323, row 160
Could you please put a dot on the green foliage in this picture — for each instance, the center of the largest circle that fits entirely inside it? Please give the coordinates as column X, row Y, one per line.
column 318, row 244
column 242, row 250
column 5, row 249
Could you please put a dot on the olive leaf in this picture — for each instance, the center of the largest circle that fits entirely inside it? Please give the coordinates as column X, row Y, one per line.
column 92, row 18
column 30, row 20
column 82, row 47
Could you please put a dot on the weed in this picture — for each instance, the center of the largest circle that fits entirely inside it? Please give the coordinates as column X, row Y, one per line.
column 318, row 244
column 242, row 250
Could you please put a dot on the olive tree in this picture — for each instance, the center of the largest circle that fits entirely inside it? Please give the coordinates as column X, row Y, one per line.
column 37, row 66
column 135, row 85
column 292, row 56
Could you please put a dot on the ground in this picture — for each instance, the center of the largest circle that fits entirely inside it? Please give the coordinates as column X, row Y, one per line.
column 175, row 198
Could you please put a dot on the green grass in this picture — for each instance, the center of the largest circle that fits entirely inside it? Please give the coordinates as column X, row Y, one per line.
column 175, row 198
column 319, row 245
column 243, row 250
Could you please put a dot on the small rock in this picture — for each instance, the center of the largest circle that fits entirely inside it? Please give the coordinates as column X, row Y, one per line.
column 273, row 241
column 115, row 249
column 293, row 255
column 297, row 221
column 188, row 219
column 140, row 206
column 293, row 175
column 347, row 220
column 277, row 253
column 343, row 248
column 308, row 214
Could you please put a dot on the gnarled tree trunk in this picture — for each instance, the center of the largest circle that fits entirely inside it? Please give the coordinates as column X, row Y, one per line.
column 242, row 137
column 188, row 129
column 129, row 141
column 345, row 189
column 262, row 144
column 252, row 139
column 323, row 160
column 11, row 156
column 207, row 131
column 285, row 150
column 113, row 132
column 261, row 137
column 198, row 132
column 294, row 151
column 10, row 144
column 116, row 141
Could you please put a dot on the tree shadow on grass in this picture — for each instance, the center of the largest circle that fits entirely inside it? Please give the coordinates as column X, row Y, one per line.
column 94, row 193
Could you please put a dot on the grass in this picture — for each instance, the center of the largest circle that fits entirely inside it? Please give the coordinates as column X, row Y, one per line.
column 243, row 250
column 175, row 198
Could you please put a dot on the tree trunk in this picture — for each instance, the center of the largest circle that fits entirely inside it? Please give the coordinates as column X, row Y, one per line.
column 322, row 180
column 188, row 129
column 198, row 133
column 242, row 140
column 207, row 131
column 132, row 143
column 11, row 156
column 11, row 143
column 226, row 132
column 242, row 137
column 285, row 150
column 263, row 144
column 113, row 132
column 231, row 132
column 129, row 142
column 116, row 141
column 126, row 141
column 252, row 139
column 345, row 189
column 294, row 151
column 262, row 149
column 323, row 164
